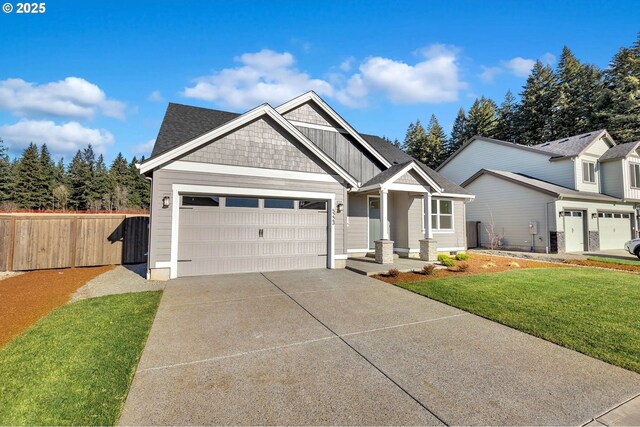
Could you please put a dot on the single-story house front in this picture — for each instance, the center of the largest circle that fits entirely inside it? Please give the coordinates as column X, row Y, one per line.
column 292, row 187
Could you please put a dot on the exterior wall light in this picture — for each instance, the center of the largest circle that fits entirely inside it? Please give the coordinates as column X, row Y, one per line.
column 340, row 207
column 166, row 201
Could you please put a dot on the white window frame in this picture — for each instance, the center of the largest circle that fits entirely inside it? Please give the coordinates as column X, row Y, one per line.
column 589, row 164
column 634, row 170
column 437, row 214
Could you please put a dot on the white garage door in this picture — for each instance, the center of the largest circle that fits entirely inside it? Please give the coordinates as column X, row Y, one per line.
column 246, row 234
column 574, row 230
column 615, row 229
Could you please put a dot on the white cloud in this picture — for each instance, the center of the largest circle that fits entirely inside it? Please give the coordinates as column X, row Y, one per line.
column 518, row 66
column 63, row 139
column 145, row 148
column 264, row 76
column 155, row 96
column 347, row 64
column 435, row 79
column 72, row 97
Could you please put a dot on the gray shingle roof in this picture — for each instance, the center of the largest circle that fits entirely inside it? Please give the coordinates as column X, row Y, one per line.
column 619, row 151
column 395, row 155
column 540, row 185
column 183, row 123
column 571, row 146
column 385, row 175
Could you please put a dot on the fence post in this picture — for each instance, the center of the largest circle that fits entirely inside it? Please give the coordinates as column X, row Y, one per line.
column 123, row 259
column 12, row 243
column 74, row 241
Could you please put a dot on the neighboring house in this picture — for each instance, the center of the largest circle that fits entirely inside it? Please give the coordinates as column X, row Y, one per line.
column 574, row 194
column 293, row 187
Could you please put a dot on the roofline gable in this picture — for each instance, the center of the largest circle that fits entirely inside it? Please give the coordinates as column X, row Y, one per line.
column 636, row 145
column 312, row 96
column 410, row 166
column 255, row 113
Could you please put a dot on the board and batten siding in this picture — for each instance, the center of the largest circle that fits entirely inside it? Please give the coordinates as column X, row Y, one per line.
column 488, row 155
column 629, row 191
column 163, row 179
column 512, row 208
column 611, row 178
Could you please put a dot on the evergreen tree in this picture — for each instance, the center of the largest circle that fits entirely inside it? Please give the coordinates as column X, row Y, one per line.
column 6, row 175
column 482, row 118
column 135, row 199
column 434, row 151
column 458, row 132
column 28, row 179
column 506, row 129
column 80, row 177
column 620, row 101
column 415, row 139
column 102, row 185
column 535, row 115
column 46, row 178
column 60, row 174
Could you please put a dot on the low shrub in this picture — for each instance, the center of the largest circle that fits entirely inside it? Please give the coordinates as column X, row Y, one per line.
column 513, row 264
column 393, row 272
column 461, row 256
column 447, row 262
column 463, row 266
column 489, row 265
column 428, row 269
column 443, row 256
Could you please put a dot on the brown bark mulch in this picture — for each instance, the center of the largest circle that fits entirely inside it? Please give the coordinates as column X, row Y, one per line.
column 600, row 264
column 477, row 264
column 25, row 298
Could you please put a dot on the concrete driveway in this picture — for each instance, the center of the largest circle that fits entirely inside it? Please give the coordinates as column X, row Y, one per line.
column 333, row 347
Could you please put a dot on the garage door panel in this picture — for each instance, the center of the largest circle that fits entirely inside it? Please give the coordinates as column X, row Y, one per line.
column 614, row 228
column 218, row 240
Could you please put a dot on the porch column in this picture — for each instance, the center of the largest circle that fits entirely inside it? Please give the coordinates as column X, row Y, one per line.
column 383, row 214
column 427, row 220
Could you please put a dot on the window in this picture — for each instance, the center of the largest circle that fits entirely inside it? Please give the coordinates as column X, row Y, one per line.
column 313, row 205
column 635, row 175
column 278, row 204
column 200, row 201
column 588, row 172
column 442, row 214
column 241, row 202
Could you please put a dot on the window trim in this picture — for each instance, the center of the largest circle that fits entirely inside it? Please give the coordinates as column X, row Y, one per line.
column 201, row 196
column 634, row 170
column 589, row 163
column 437, row 214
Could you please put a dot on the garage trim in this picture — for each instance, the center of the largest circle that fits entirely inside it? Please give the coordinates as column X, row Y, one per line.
column 176, row 189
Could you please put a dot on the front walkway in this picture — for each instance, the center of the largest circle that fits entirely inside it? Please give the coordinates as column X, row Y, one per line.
column 369, row 266
column 329, row 347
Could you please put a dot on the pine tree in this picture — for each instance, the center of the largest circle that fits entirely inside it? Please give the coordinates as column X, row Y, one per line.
column 46, row 178
column 535, row 115
column 80, row 175
column 506, row 129
column 458, row 132
column 27, row 179
column 620, row 101
column 6, row 176
column 102, row 185
column 415, row 139
column 482, row 118
column 433, row 151
column 60, row 175
column 143, row 187
column 135, row 198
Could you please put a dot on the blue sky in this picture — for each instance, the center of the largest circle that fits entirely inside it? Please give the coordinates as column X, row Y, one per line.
column 103, row 71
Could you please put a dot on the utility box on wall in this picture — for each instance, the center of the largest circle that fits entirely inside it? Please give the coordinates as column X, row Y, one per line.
column 533, row 227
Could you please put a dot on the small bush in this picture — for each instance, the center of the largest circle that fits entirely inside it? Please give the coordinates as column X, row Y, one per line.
column 513, row 264
column 489, row 265
column 443, row 256
column 393, row 272
column 447, row 262
column 463, row 266
column 428, row 269
column 461, row 256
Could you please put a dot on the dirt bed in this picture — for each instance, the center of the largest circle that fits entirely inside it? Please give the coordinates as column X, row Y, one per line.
column 27, row 297
column 477, row 264
column 600, row 264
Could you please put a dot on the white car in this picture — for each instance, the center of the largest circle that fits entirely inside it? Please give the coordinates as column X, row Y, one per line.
column 633, row 247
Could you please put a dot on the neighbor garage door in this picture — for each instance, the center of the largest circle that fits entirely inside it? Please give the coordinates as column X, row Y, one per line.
column 220, row 234
column 574, row 230
column 615, row 229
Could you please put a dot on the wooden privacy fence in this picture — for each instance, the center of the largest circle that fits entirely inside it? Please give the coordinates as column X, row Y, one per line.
column 34, row 242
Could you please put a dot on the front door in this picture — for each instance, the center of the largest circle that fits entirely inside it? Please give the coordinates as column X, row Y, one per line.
column 574, row 230
column 374, row 221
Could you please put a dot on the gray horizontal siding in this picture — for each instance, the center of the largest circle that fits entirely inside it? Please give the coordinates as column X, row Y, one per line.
column 457, row 238
column 160, row 246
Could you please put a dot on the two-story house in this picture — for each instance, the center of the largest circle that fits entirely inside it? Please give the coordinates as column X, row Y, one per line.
column 580, row 193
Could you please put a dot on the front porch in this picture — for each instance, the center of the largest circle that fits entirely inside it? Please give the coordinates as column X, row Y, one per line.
column 369, row 267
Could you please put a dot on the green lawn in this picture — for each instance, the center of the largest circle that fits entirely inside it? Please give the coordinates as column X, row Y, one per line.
column 596, row 312
column 74, row 366
column 615, row 260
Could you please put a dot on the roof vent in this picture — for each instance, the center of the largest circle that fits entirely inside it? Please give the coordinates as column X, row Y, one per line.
column 584, row 136
column 563, row 141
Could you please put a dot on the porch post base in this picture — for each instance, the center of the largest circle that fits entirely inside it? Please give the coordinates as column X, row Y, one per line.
column 384, row 251
column 428, row 250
